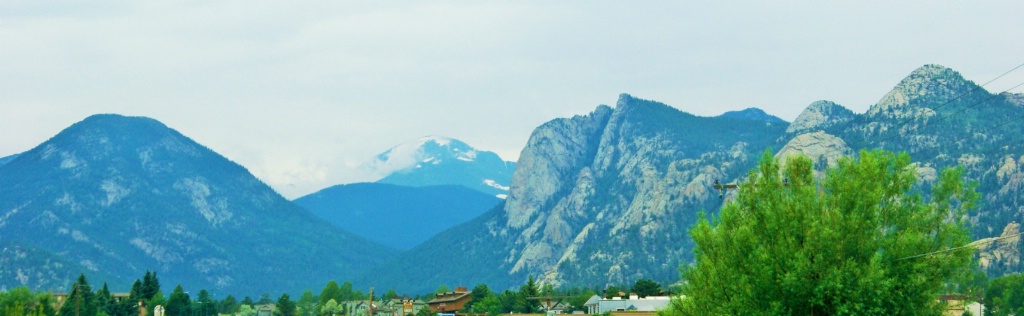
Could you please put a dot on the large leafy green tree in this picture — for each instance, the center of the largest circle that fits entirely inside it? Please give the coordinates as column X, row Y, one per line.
column 479, row 293
column 862, row 241
column 1005, row 296
column 645, row 288
column 21, row 301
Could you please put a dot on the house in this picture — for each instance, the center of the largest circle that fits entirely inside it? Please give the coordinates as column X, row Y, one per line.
column 956, row 304
column 449, row 302
column 598, row 305
column 402, row 306
column 265, row 309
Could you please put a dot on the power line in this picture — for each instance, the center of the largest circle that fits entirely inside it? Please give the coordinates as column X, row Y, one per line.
column 965, row 94
column 896, row 127
column 972, row 244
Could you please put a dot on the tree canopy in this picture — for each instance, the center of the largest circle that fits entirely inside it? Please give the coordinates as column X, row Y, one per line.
column 849, row 244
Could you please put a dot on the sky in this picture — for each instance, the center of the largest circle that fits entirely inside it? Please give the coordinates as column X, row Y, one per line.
column 302, row 93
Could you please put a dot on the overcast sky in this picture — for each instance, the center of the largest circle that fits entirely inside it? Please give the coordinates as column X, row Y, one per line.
column 299, row 92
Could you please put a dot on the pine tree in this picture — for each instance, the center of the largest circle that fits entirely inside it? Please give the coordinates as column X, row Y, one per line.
column 285, row 306
column 150, row 285
column 81, row 301
column 178, row 304
column 528, row 290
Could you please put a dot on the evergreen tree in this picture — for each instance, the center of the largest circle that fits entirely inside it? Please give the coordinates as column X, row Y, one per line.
column 330, row 292
column 389, row 295
column 285, row 306
column 104, row 302
column 524, row 304
column 346, row 293
column 178, row 304
column 307, row 303
column 150, row 285
column 479, row 293
column 229, row 305
column 136, row 292
column 853, row 243
column 204, row 306
column 81, row 301
column 247, row 301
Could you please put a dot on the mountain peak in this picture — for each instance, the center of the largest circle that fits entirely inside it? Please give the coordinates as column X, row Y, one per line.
column 426, row 149
column 753, row 114
column 116, row 194
column 439, row 160
column 927, row 87
column 819, row 115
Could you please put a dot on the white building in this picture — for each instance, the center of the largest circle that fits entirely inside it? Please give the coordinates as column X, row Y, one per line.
column 598, row 305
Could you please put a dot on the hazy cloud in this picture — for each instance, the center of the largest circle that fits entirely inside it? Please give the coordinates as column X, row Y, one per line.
column 299, row 92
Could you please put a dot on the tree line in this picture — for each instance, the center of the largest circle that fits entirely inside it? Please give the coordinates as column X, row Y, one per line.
column 334, row 299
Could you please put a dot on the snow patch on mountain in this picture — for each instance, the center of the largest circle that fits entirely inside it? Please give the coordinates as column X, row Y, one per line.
column 496, row 185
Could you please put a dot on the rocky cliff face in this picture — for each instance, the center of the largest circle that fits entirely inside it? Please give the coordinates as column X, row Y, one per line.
column 820, row 147
column 1001, row 253
column 607, row 198
column 606, row 219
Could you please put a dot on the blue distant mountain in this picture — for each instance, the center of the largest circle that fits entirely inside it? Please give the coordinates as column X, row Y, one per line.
column 753, row 114
column 435, row 160
column 5, row 160
column 397, row 216
column 114, row 196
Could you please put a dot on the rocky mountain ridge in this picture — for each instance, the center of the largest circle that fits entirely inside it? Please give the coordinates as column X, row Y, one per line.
column 607, row 198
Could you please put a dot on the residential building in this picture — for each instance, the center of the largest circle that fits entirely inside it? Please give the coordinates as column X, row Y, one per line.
column 449, row 302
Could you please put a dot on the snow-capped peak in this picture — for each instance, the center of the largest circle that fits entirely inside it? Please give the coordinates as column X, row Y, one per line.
column 425, row 150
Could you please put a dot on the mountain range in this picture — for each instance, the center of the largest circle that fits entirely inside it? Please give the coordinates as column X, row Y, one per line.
column 607, row 198
column 599, row 199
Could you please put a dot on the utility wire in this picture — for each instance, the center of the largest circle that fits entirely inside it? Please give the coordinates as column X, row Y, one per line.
column 896, row 127
column 987, row 131
column 972, row 244
column 964, row 94
column 900, row 124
